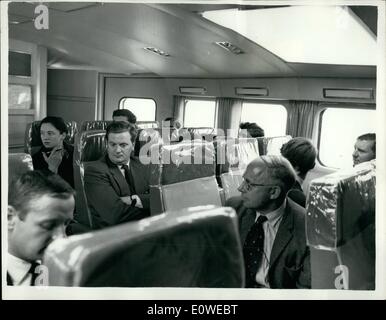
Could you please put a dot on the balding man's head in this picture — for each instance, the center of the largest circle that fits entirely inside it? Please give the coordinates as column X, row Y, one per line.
column 267, row 180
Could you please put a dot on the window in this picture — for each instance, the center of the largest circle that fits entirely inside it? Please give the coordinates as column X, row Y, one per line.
column 19, row 96
column 339, row 129
column 143, row 108
column 270, row 117
column 200, row 113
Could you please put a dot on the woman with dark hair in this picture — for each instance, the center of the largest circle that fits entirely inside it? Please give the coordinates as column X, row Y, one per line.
column 55, row 155
column 251, row 129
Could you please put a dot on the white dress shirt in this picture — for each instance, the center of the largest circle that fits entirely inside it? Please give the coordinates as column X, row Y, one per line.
column 18, row 269
column 121, row 168
column 270, row 227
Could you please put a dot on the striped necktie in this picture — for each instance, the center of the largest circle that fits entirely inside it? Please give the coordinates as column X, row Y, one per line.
column 254, row 250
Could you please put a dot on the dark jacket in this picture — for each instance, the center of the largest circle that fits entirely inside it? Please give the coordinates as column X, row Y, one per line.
column 290, row 257
column 104, row 184
column 297, row 195
column 65, row 169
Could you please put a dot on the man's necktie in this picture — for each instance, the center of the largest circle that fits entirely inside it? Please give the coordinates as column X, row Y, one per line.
column 129, row 178
column 33, row 272
column 254, row 250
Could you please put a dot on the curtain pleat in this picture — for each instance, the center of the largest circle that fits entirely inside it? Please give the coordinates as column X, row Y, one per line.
column 230, row 114
column 178, row 108
column 300, row 121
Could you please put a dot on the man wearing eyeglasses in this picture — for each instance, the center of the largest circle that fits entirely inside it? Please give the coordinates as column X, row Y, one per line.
column 272, row 227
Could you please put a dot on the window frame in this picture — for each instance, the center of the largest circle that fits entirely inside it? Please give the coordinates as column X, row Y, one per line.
column 215, row 124
column 343, row 105
column 120, row 104
column 283, row 103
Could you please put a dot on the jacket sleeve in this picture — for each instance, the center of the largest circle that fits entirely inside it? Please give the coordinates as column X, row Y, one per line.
column 104, row 201
column 304, row 278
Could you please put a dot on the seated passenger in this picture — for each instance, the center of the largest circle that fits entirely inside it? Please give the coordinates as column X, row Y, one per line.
column 124, row 115
column 272, row 227
column 301, row 153
column 174, row 125
column 364, row 148
column 250, row 130
column 40, row 204
column 55, row 155
column 110, row 183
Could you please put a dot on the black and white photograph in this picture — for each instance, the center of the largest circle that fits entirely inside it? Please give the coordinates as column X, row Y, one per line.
column 221, row 150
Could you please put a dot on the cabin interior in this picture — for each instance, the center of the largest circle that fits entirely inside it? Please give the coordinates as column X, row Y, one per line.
column 93, row 56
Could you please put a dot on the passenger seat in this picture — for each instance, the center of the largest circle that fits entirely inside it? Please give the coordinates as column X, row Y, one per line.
column 178, row 182
column 18, row 163
column 196, row 247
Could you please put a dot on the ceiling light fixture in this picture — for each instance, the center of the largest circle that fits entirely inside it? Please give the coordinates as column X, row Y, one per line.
column 157, row 51
column 230, row 47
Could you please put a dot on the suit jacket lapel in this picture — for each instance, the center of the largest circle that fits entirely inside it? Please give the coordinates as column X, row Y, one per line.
column 246, row 223
column 283, row 236
column 118, row 177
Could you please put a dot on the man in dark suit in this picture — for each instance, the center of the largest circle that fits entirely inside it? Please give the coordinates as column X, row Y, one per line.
column 272, row 227
column 301, row 153
column 116, row 186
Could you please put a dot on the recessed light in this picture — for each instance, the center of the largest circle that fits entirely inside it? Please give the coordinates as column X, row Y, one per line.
column 230, row 47
column 157, row 51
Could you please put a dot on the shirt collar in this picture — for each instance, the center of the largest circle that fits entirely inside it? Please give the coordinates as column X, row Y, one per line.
column 122, row 164
column 17, row 268
column 275, row 215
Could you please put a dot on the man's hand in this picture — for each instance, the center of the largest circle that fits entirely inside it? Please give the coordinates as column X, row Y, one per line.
column 138, row 203
column 54, row 159
column 130, row 199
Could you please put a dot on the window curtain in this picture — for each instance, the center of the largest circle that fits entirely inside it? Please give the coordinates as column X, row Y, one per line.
column 179, row 108
column 301, row 117
column 228, row 115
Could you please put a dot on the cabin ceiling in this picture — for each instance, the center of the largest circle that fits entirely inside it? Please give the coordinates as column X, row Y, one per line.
column 110, row 37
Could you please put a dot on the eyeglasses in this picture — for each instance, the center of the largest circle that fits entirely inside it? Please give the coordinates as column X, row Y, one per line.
column 248, row 186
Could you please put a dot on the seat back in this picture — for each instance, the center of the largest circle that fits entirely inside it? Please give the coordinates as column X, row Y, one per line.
column 33, row 141
column 230, row 181
column 94, row 125
column 234, row 154
column 272, row 145
column 203, row 133
column 146, row 138
column 341, row 219
column 183, row 177
column 18, row 163
column 147, row 124
column 197, row 247
column 89, row 146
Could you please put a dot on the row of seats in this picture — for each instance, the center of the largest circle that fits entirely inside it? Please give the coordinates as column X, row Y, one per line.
column 32, row 140
column 173, row 183
column 176, row 183
column 200, row 246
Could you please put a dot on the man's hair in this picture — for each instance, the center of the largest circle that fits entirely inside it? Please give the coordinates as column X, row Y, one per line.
column 301, row 153
column 34, row 184
column 369, row 137
column 57, row 122
column 125, row 113
column 121, row 126
column 253, row 129
column 278, row 170
column 174, row 123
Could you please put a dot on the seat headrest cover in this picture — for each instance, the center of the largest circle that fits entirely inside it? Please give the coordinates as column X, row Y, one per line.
column 340, row 205
column 196, row 247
